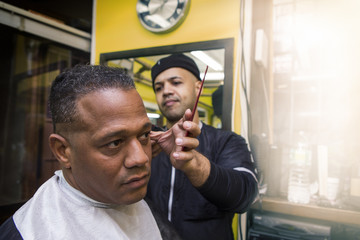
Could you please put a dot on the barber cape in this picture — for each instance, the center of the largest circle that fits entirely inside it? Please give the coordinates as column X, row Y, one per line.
column 59, row 211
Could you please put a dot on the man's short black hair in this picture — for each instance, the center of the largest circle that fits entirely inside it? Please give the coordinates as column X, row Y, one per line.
column 74, row 83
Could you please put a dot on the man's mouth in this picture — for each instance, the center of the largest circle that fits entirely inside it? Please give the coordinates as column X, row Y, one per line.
column 169, row 102
column 137, row 182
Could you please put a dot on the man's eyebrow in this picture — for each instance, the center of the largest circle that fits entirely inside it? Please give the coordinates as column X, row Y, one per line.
column 174, row 77
column 113, row 134
column 147, row 125
column 124, row 132
column 168, row 79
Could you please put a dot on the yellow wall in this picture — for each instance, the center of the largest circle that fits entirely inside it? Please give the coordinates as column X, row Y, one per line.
column 117, row 28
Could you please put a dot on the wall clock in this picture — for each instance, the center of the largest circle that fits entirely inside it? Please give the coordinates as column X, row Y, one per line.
column 162, row 15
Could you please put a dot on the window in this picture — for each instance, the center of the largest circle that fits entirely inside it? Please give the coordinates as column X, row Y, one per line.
column 28, row 66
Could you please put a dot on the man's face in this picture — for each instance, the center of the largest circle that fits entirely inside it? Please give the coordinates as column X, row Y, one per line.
column 176, row 90
column 110, row 153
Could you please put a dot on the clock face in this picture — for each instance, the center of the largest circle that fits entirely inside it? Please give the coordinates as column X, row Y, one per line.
column 162, row 15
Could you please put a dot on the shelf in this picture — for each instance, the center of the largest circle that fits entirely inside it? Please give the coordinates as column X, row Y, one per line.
column 309, row 211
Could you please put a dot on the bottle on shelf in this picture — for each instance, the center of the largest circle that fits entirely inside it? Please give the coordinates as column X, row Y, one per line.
column 299, row 174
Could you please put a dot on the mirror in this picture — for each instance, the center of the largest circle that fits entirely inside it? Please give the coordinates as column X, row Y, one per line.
column 214, row 107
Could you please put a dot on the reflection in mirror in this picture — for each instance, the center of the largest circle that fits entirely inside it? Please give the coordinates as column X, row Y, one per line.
column 215, row 54
column 140, row 69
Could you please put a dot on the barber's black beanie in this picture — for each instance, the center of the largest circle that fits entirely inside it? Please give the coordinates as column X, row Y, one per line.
column 175, row 60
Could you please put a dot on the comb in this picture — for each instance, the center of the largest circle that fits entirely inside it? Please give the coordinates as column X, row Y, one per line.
column 197, row 100
column 198, row 96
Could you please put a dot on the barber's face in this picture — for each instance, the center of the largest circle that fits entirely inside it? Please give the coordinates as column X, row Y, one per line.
column 176, row 90
column 110, row 154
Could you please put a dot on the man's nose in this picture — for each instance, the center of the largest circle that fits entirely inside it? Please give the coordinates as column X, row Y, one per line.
column 167, row 89
column 136, row 155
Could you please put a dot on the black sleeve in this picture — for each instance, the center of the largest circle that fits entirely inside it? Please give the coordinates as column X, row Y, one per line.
column 229, row 189
column 8, row 230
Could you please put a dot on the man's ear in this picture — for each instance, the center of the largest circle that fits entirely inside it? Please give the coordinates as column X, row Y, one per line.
column 60, row 148
column 197, row 85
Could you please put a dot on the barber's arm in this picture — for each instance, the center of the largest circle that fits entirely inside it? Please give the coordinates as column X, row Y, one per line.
column 231, row 189
column 232, row 183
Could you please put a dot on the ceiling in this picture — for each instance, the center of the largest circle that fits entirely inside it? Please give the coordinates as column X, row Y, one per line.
column 77, row 14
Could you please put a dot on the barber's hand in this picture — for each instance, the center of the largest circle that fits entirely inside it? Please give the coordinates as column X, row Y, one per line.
column 180, row 146
column 175, row 143
column 156, row 149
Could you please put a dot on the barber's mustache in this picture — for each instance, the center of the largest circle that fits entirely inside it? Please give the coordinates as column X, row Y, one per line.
column 168, row 99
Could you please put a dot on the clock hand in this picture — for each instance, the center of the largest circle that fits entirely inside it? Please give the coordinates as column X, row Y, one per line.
column 155, row 6
column 163, row 4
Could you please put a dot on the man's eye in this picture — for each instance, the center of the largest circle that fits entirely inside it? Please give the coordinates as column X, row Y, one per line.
column 144, row 138
column 114, row 144
column 158, row 88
